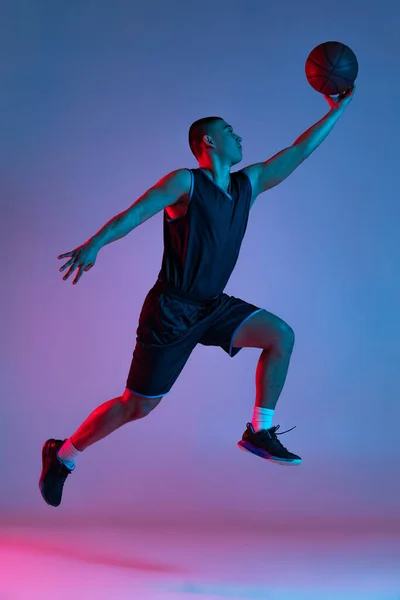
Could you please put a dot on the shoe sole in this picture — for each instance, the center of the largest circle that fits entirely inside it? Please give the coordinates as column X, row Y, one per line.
column 246, row 447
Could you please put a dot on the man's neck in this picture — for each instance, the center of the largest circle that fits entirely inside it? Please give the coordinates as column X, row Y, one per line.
column 220, row 174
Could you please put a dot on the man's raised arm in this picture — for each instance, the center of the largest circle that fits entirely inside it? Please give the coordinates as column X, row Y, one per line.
column 266, row 175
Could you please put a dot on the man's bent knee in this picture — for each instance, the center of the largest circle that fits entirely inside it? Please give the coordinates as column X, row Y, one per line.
column 288, row 336
column 138, row 407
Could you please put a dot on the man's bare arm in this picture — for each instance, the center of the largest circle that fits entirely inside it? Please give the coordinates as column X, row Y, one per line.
column 164, row 193
column 268, row 174
column 168, row 191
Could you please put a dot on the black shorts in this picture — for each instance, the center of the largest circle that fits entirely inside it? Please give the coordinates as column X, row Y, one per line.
column 169, row 329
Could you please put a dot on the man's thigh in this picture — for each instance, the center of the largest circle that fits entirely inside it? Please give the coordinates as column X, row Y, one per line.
column 155, row 369
column 228, row 318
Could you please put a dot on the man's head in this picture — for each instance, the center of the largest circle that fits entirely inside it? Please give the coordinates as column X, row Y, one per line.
column 214, row 136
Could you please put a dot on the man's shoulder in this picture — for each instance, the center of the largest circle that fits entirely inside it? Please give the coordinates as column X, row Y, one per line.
column 243, row 175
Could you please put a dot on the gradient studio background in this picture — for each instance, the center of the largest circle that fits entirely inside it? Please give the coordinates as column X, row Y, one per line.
column 97, row 98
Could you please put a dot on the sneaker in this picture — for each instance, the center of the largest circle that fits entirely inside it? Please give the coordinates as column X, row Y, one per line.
column 54, row 473
column 265, row 443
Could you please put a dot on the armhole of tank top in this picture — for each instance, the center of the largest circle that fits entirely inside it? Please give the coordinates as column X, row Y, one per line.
column 189, row 200
column 248, row 179
column 249, row 184
column 191, row 186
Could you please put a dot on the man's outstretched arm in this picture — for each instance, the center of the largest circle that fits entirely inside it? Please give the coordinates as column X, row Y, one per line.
column 266, row 175
column 168, row 191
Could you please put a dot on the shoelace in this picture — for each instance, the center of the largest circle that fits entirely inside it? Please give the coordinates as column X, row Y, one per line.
column 63, row 471
column 275, row 429
column 272, row 434
column 61, row 468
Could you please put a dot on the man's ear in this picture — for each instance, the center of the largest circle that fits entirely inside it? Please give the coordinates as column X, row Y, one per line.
column 208, row 141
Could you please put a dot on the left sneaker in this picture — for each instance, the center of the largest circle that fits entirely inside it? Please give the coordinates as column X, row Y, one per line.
column 54, row 473
column 265, row 443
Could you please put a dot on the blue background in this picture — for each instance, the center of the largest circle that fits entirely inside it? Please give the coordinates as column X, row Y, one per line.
column 97, row 98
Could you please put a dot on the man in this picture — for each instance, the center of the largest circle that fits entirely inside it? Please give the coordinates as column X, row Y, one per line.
column 205, row 218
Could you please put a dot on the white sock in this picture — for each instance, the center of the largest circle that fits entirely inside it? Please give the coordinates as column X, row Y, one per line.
column 262, row 418
column 68, row 454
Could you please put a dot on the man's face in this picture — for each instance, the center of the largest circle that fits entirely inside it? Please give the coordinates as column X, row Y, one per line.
column 228, row 144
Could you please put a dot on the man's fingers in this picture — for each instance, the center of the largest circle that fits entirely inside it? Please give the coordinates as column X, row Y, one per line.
column 67, row 264
column 79, row 275
column 71, row 270
column 77, row 261
column 347, row 92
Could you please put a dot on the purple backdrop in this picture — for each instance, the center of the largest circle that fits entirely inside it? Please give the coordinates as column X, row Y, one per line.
column 95, row 106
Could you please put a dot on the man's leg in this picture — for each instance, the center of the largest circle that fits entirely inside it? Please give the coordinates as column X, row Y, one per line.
column 276, row 338
column 110, row 416
column 58, row 457
column 271, row 373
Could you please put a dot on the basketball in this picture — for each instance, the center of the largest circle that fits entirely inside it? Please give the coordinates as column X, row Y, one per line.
column 331, row 68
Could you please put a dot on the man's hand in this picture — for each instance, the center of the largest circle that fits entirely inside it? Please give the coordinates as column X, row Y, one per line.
column 343, row 100
column 312, row 138
column 83, row 258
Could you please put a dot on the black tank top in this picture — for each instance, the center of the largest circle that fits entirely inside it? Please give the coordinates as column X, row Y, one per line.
column 202, row 247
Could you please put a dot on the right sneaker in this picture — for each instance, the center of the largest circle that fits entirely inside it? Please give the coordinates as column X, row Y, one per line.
column 265, row 443
column 54, row 473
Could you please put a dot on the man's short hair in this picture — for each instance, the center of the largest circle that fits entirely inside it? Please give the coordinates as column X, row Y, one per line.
column 198, row 130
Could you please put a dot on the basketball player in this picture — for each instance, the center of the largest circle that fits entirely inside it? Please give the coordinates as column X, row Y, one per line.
column 205, row 218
